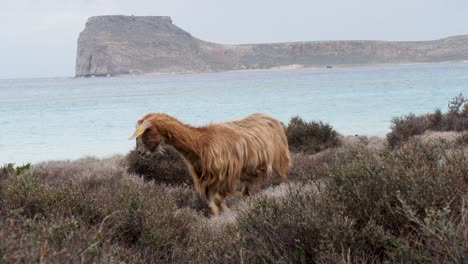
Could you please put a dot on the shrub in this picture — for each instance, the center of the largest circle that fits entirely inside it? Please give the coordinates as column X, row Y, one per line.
column 456, row 103
column 370, row 189
column 403, row 128
column 442, row 234
column 404, row 205
column 10, row 170
column 166, row 168
column 463, row 140
column 310, row 137
column 35, row 199
column 148, row 220
column 456, row 119
column 286, row 230
column 126, row 221
column 421, row 174
column 186, row 196
column 56, row 239
column 352, row 204
column 89, row 173
column 39, row 223
column 302, row 227
column 307, row 169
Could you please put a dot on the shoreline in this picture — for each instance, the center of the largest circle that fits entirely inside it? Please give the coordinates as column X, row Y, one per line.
column 290, row 67
column 276, row 68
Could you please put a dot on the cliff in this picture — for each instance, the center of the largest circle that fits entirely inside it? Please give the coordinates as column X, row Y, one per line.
column 115, row 45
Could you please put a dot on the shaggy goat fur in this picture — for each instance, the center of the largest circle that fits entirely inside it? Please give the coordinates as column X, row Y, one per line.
column 219, row 156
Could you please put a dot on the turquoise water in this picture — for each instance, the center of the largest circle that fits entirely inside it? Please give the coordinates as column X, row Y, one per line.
column 66, row 118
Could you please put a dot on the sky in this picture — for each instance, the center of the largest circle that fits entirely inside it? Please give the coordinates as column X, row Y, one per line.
column 38, row 37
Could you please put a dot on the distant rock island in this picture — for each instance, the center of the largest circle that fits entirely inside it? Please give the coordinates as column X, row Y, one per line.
column 119, row 45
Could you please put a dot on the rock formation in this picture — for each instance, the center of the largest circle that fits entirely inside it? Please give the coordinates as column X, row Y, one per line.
column 117, row 45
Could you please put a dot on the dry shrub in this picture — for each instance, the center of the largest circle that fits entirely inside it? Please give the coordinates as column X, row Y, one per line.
column 308, row 168
column 462, row 140
column 305, row 168
column 358, row 202
column 444, row 136
column 371, row 189
column 405, row 127
column 186, row 196
column 148, row 221
column 214, row 240
column 421, row 174
column 120, row 218
column 405, row 205
column 56, row 239
column 372, row 143
column 39, row 223
column 89, row 172
column 313, row 168
column 442, row 233
column 310, row 137
column 168, row 167
column 284, row 228
column 35, row 199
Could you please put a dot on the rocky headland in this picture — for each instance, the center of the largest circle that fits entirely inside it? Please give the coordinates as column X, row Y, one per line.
column 120, row 45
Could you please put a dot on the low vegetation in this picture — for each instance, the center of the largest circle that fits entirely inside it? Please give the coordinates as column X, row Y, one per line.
column 310, row 137
column 405, row 127
column 168, row 168
column 348, row 199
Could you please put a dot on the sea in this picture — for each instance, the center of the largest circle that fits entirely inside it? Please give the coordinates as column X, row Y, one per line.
column 68, row 118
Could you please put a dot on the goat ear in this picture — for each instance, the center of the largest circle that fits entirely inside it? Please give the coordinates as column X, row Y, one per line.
column 140, row 129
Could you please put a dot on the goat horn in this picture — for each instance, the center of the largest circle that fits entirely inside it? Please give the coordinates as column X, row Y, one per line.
column 140, row 129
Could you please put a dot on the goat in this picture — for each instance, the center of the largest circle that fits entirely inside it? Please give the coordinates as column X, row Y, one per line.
column 220, row 155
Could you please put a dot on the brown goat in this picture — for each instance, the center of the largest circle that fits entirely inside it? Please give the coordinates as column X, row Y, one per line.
column 221, row 155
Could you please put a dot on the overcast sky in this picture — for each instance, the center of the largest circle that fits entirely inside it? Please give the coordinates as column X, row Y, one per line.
column 38, row 37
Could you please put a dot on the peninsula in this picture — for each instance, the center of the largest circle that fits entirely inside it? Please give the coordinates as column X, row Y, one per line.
column 121, row 45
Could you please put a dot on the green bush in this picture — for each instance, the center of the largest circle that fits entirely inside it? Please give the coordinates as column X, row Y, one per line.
column 310, row 137
column 11, row 170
